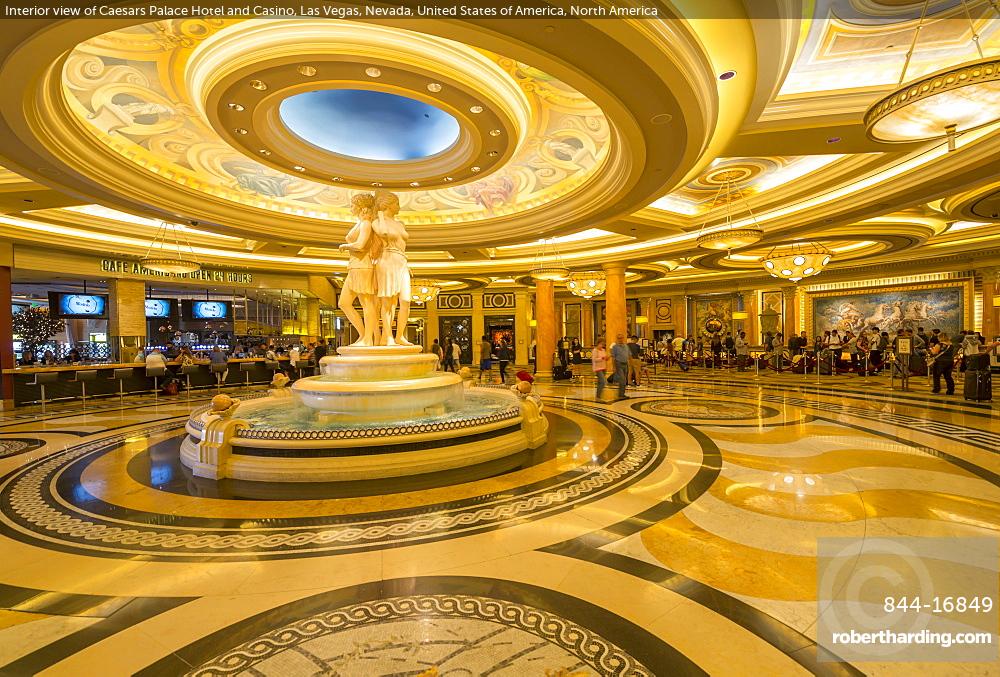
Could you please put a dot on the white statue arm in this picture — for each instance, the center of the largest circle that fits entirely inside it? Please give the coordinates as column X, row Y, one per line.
column 362, row 233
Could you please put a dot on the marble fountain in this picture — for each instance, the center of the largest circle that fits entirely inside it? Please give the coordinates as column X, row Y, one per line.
column 375, row 411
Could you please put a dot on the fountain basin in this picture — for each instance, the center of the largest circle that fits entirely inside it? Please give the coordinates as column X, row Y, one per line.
column 380, row 400
column 276, row 438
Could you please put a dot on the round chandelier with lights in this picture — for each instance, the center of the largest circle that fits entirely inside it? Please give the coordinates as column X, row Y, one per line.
column 730, row 236
column 422, row 291
column 796, row 261
column 548, row 264
column 944, row 103
column 167, row 254
column 587, row 285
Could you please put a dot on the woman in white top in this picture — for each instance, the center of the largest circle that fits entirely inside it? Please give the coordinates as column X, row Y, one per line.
column 392, row 274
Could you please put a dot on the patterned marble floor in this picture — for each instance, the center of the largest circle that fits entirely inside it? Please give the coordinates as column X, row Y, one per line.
column 671, row 533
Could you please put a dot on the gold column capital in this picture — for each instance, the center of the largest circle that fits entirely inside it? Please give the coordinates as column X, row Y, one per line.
column 614, row 268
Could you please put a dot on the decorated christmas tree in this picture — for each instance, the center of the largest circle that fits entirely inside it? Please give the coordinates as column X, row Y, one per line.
column 34, row 326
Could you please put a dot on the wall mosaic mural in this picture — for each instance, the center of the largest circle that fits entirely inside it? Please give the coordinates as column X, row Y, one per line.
column 891, row 310
column 712, row 314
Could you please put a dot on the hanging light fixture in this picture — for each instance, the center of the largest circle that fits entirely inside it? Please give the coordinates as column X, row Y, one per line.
column 588, row 284
column 794, row 262
column 944, row 103
column 548, row 264
column 422, row 291
column 730, row 236
column 163, row 256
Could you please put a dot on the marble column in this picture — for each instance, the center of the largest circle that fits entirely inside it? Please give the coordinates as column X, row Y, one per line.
column 478, row 326
column 587, row 323
column 126, row 318
column 614, row 309
column 546, row 329
column 432, row 327
column 6, row 343
column 522, row 328
column 790, row 310
column 991, row 313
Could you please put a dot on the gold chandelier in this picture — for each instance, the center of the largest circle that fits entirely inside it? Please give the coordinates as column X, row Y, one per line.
column 944, row 103
column 794, row 262
column 548, row 264
column 587, row 285
column 162, row 256
column 730, row 236
column 422, row 291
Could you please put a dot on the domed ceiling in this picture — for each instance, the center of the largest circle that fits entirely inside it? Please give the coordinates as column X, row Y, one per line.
column 136, row 90
column 611, row 141
column 369, row 125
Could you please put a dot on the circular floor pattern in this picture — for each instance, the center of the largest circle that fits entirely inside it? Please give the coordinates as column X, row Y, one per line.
column 694, row 408
column 456, row 634
column 12, row 446
column 44, row 504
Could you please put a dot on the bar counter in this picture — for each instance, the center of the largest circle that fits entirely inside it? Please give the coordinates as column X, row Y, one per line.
column 106, row 384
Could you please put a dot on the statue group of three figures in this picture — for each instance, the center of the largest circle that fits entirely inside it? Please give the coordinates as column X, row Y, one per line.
column 377, row 272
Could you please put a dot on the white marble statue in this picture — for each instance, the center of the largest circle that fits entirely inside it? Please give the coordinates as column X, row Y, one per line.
column 392, row 274
column 360, row 282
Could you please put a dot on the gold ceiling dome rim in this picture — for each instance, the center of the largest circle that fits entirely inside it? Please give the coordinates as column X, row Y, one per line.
column 906, row 113
column 239, row 76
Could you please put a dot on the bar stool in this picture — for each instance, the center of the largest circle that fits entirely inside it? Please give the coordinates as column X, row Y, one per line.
column 121, row 375
column 302, row 365
column 246, row 368
column 187, row 370
column 273, row 365
column 82, row 377
column 156, row 373
column 41, row 379
column 219, row 369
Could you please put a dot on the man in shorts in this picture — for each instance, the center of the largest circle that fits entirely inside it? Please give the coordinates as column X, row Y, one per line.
column 486, row 360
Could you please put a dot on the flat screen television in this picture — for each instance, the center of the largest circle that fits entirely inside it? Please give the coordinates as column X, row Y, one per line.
column 159, row 308
column 207, row 310
column 78, row 306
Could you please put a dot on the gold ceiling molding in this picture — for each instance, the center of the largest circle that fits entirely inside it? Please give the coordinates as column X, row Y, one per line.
column 981, row 203
column 564, row 156
column 289, row 57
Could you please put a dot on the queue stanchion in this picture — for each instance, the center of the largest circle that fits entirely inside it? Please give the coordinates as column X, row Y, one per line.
column 819, row 357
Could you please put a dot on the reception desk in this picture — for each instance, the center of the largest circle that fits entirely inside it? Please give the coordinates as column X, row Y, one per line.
column 104, row 383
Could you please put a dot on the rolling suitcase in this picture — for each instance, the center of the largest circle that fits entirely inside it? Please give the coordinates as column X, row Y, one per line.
column 978, row 386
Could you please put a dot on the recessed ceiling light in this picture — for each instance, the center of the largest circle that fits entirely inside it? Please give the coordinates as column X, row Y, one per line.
column 373, row 72
column 476, row 109
column 727, row 75
column 307, row 71
column 833, row 139
column 377, row 184
column 336, row 178
column 476, row 170
column 264, row 151
column 258, row 85
column 240, row 131
column 661, row 118
column 299, row 168
column 434, row 87
column 448, row 179
column 493, row 153
column 495, row 132
column 236, row 107
column 414, row 183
